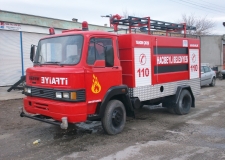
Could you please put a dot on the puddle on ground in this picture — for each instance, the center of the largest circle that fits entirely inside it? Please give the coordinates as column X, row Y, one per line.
column 78, row 130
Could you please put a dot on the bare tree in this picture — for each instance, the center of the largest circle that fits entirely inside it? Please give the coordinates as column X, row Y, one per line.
column 126, row 14
column 203, row 25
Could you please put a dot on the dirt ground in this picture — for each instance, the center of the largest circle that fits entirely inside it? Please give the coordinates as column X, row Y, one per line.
column 154, row 134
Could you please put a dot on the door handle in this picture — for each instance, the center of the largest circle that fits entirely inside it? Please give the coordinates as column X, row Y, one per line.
column 115, row 67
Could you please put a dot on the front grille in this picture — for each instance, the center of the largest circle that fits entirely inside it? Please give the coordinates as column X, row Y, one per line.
column 43, row 92
column 81, row 95
column 50, row 93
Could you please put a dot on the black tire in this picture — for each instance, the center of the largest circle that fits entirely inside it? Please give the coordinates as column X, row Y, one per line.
column 171, row 110
column 114, row 117
column 213, row 82
column 220, row 76
column 141, row 106
column 184, row 103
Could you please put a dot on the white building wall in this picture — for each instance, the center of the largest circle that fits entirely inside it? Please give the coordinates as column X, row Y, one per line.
column 11, row 53
column 10, row 57
column 212, row 50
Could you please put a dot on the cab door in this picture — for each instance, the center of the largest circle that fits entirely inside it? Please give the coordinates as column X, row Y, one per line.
column 203, row 76
column 99, row 77
column 207, row 74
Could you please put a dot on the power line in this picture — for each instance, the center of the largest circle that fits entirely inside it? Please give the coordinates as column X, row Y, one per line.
column 200, row 6
column 194, row 5
column 217, row 6
column 208, row 5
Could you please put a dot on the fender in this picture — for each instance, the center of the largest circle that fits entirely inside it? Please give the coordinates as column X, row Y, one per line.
column 116, row 92
column 178, row 92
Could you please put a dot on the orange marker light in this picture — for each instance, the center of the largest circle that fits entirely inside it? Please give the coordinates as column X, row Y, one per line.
column 73, row 95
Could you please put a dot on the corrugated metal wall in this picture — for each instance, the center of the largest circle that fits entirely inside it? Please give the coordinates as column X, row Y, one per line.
column 10, row 57
column 12, row 66
column 223, row 57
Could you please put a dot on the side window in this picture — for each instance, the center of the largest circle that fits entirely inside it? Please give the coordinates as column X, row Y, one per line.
column 206, row 69
column 202, row 69
column 96, row 49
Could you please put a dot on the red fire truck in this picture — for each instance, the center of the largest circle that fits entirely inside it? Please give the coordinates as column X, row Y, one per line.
column 82, row 75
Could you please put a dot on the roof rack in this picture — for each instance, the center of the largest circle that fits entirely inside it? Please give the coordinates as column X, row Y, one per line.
column 146, row 24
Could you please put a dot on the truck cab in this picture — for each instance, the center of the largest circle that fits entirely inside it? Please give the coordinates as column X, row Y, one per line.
column 72, row 72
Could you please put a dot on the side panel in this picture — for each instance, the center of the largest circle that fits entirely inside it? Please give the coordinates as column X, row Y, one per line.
column 159, row 65
column 131, row 48
column 142, row 59
column 164, row 89
column 171, row 59
column 126, row 61
column 194, row 63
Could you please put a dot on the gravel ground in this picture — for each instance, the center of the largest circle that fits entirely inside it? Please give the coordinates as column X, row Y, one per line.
column 154, row 134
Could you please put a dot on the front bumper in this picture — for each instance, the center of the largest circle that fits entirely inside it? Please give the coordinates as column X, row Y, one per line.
column 63, row 125
column 74, row 111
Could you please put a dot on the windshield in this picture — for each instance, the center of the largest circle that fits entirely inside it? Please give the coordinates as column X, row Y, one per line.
column 59, row 50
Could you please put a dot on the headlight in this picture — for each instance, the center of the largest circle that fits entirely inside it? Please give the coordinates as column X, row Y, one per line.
column 58, row 95
column 27, row 90
column 66, row 95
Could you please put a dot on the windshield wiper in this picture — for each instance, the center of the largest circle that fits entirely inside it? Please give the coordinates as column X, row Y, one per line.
column 38, row 63
column 52, row 62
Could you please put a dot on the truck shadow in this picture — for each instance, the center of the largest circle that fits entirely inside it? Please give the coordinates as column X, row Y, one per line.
column 77, row 130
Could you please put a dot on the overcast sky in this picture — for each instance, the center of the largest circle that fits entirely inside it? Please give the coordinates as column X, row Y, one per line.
column 91, row 10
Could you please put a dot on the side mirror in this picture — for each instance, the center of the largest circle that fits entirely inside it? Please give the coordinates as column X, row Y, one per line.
column 32, row 52
column 109, row 56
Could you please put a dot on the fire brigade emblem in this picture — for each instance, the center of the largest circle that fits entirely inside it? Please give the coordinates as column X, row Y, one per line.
column 142, row 59
column 96, row 87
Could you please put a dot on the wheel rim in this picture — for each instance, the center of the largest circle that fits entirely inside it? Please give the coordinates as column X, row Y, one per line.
column 186, row 102
column 117, row 117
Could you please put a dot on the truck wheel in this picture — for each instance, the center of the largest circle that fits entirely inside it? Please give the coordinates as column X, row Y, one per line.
column 184, row 103
column 171, row 110
column 213, row 82
column 114, row 118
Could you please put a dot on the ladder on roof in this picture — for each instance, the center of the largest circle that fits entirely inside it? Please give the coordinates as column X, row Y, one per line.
column 146, row 24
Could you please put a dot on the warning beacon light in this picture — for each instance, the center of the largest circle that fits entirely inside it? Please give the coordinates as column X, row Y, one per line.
column 84, row 26
column 51, row 31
